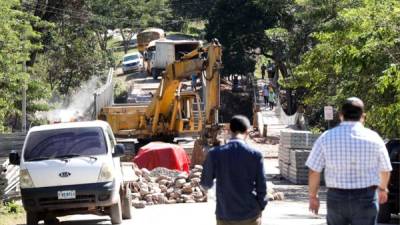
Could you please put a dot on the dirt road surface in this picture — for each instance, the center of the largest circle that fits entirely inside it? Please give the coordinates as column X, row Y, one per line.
column 293, row 210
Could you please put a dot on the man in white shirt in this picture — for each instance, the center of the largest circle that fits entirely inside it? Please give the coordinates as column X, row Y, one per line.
column 357, row 169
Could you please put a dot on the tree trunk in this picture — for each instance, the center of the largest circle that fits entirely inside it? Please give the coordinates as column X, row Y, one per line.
column 102, row 40
column 126, row 43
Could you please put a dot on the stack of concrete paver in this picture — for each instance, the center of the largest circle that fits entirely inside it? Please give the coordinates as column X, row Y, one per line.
column 294, row 148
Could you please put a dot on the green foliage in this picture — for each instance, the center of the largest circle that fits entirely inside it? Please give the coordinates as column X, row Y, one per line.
column 239, row 26
column 11, row 213
column 130, row 16
column 357, row 55
column 16, row 44
column 315, row 130
column 197, row 10
column 12, row 207
column 73, row 59
column 120, row 91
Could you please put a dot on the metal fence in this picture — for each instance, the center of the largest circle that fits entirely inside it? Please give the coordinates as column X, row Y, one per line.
column 9, row 174
column 9, row 142
column 104, row 95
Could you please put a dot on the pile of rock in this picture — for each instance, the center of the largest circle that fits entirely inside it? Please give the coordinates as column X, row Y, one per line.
column 164, row 186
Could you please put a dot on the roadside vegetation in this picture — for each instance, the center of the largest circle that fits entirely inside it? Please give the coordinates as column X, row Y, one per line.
column 11, row 213
column 325, row 51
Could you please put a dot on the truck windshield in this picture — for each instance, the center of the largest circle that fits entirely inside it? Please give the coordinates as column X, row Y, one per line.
column 130, row 57
column 59, row 143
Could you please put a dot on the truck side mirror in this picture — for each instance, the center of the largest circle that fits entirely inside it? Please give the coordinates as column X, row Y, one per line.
column 14, row 158
column 119, row 150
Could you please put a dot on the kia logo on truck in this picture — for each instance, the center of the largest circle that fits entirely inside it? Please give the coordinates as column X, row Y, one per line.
column 64, row 174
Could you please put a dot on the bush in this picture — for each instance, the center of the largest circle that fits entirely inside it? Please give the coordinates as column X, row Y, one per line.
column 12, row 207
column 120, row 92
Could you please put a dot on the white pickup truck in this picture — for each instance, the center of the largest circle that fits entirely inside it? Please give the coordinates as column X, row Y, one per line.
column 73, row 168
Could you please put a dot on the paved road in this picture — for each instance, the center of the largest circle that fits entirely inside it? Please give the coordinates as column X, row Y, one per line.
column 293, row 210
column 277, row 213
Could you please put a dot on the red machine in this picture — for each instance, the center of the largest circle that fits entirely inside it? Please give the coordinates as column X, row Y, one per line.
column 160, row 154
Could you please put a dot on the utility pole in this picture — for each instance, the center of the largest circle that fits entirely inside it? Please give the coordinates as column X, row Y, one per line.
column 23, row 119
column 24, row 99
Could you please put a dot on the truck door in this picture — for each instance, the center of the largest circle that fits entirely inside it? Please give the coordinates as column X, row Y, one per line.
column 170, row 55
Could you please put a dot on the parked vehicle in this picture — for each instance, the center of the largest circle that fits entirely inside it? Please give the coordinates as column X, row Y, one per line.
column 148, row 35
column 73, row 168
column 166, row 52
column 132, row 62
column 393, row 204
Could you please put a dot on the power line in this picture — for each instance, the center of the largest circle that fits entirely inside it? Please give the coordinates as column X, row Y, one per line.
column 69, row 12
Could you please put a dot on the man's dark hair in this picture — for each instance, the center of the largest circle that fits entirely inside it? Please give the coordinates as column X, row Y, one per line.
column 352, row 109
column 239, row 124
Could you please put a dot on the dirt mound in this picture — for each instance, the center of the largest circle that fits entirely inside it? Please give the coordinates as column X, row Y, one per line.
column 233, row 103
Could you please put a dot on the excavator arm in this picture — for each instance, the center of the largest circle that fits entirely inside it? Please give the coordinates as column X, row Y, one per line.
column 172, row 110
column 204, row 61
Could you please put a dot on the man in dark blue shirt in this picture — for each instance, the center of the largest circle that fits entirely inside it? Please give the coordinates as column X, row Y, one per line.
column 241, row 183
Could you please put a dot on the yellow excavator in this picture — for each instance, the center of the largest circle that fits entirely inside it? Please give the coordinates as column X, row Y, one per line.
column 175, row 111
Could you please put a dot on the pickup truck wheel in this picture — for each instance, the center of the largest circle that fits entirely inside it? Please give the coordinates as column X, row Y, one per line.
column 126, row 205
column 116, row 213
column 32, row 218
column 384, row 213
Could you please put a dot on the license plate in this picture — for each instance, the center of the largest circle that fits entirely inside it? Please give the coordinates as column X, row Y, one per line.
column 67, row 194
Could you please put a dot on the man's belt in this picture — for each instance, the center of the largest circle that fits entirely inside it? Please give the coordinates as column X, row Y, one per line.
column 373, row 188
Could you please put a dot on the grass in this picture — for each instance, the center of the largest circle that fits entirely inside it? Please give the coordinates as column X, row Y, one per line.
column 11, row 214
column 113, row 43
column 195, row 28
column 191, row 30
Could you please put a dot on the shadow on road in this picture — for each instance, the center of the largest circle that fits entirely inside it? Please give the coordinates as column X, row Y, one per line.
column 293, row 192
column 147, row 81
column 94, row 221
column 136, row 75
column 302, row 216
column 86, row 222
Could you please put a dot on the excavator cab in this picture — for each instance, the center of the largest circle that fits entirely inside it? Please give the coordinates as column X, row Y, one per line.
column 186, row 114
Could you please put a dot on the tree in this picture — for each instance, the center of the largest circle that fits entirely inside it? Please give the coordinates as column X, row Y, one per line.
column 357, row 55
column 70, row 54
column 16, row 45
column 101, row 24
column 73, row 59
column 129, row 16
column 239, row 26
column 293, row 37
column 197, row 10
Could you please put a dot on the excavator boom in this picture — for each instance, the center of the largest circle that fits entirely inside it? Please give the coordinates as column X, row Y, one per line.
column 205, row 61
column 172, row 108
